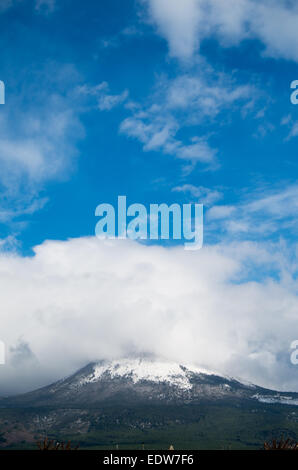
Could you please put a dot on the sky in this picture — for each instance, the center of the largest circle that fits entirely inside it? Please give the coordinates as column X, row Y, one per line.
column 165, row 102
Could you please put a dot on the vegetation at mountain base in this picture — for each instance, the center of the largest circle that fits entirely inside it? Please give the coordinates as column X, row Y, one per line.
column 203, row 426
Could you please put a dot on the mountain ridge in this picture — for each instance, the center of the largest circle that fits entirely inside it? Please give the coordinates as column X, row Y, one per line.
column 129, row 401
column 140, row 380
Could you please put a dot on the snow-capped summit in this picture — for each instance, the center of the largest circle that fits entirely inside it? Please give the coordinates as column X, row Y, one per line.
column 135, row 381
column 139, row 370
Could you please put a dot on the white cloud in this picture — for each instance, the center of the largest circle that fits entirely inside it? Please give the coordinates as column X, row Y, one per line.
column 185, row 24
column 199, row 150
column 158, row 134
column 293, row 131
column 76, row 302
column 179, row 23
column 281, row 203
column 204, row 195
column 206, row 94
column 38, row 138
column 105, row 101
column 195, row 98
column 34, row 151
column 261, row 214
column 220, row 212
column 291, row 125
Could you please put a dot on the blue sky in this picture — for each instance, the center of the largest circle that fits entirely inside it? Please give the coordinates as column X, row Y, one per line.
column 161, row 101
column 91, row 74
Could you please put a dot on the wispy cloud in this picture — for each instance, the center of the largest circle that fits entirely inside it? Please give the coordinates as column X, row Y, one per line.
column 159, row 134
column 294, row 130
column 204, row 195
column 117, row 40
column 105, row 100
column 291, row 125
column 194, row 98
column 205, row 96
column 262, row 215
column 37, row 144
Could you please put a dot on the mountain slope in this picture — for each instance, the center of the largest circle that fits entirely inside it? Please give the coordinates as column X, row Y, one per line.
column 130, row 401
column 135, row 381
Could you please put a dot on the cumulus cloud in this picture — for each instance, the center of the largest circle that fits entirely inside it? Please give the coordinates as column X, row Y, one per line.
column 185, row 25
column 87, row 299
column 179, row 23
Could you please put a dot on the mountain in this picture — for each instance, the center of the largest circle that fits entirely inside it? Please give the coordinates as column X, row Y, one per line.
column 143, row 398
column 137, row 381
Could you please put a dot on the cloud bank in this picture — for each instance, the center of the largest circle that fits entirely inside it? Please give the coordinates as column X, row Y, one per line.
column 87, row 299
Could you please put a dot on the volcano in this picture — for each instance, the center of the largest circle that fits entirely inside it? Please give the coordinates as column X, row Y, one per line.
column 144, row 397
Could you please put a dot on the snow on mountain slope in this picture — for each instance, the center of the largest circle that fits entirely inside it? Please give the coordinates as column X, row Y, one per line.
column 134, row 382
column 142, row 369
column 277, row 398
